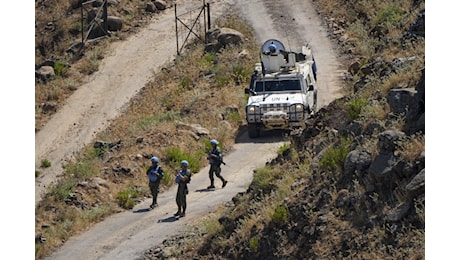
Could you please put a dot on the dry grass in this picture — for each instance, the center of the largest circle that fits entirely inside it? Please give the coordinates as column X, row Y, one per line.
column 178, row 96
column 411, row 148
column 345, row 235
column 203, row 84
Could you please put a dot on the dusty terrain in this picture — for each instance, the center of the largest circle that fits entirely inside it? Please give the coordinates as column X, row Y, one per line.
column 122, row 75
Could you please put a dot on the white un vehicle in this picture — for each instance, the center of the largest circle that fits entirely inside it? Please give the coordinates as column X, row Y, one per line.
column 282, row 92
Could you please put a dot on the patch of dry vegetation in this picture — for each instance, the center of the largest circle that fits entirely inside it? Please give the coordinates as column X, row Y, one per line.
column 316, row 227
column 57, row 27
column 178, row 96
column 292, row 209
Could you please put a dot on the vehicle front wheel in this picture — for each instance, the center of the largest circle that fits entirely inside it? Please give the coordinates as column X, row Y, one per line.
column 253, row 131
column 315, row 103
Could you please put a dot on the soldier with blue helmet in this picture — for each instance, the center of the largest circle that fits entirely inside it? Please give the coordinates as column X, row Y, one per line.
column 155, row 174
column 215, row 160
column 183, row 177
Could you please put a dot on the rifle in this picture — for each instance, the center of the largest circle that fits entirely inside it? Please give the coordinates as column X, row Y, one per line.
column 223, row 162
column 217, row 158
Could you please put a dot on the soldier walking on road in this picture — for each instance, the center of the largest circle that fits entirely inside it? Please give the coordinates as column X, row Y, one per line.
column 155, row 174
column 183, row 177
column 215, row 160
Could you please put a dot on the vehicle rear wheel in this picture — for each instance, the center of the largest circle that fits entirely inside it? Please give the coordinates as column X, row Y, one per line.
column 253, row 131
column 315, row 103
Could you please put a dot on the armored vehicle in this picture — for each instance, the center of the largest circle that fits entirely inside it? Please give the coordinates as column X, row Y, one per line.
column 282, row 91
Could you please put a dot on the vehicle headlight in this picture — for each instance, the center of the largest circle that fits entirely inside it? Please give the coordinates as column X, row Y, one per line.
column 296, row 108
column 253, row 110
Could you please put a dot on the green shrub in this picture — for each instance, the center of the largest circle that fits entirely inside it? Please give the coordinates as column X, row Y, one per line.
column 82, row 170
column 280, row 215
column 147, row 122
column 254, row 244
column 168, row 178
column 45, row 163
column 126, row 198
column 222, row 80
column 175, row 155
column 283, row 149
column 354, row 108
column 240, row 74
column 334, row 157
column 62, row 190
column 60, row 68
column 96, row 152
column 185, row 84
column 391, row 16
column 234, row 117
column 264, row 177
column 37, row 173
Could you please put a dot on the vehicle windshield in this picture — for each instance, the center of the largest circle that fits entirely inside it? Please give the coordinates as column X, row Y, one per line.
column 278, row 85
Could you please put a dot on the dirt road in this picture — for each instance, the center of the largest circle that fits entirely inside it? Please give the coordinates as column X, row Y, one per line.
column 128, row 234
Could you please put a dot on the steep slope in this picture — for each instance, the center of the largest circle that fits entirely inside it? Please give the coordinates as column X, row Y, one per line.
column 111, row 244
column 351, row 186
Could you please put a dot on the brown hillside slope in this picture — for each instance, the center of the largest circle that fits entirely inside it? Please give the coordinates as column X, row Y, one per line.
column 352, row 185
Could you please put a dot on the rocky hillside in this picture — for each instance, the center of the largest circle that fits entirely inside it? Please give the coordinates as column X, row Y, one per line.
column 351, row 185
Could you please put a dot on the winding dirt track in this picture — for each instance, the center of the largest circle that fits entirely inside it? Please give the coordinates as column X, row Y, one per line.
column 128, row 234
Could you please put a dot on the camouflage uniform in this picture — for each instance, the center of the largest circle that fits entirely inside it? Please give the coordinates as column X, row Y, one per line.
column 155, row 174
column 182, row 190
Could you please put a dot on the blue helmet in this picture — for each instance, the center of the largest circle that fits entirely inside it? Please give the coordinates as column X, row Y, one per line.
column 184, row 163
column 154, row 159
column 214, row 141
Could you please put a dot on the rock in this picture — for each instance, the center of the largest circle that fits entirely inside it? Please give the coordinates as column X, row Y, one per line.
column 401, row 99
column 159, row 4
column 357, row 161
column 150, row 7
column 229, row 36
column 100, row 182
column 45, row 73
column 399, row 212
column 114, row 23
column 416, row 186
column 48, row 107
column 353, row 68
column 387, row 140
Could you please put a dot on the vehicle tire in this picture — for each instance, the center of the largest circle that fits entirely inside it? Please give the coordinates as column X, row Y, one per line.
column 315, row 103
column 253, row 131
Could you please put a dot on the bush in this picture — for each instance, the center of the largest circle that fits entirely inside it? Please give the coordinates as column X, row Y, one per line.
column 334, row 157
column 82, row 170
column 280, row 214
column 354, row 108
column 254, row 244
column 126, row 198
column 175, row 155
column 45, row 163
column 62, row 190
column 60, row 68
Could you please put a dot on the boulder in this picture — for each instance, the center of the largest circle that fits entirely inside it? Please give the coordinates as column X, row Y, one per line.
column 159, row 4
column 387, row 140
column 229, row 36
column 401, row 99
column 114, row 23
column 45, row 73
column 357, row 161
